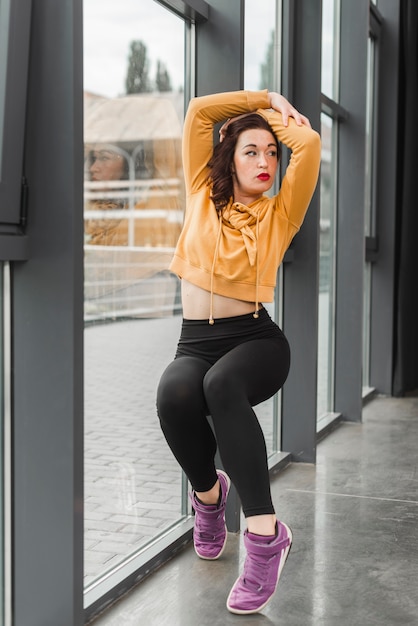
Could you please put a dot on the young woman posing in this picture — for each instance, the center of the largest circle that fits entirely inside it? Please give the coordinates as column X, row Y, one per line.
column 231, row 356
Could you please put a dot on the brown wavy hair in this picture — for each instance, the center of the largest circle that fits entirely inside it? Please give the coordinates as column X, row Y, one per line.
column 220, row 164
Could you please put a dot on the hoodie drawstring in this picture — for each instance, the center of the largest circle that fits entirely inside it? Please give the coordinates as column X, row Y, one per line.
column 255, row 314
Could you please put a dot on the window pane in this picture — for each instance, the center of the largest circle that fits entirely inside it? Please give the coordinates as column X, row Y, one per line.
column 6, row 446
column 370, row 198
column 14, row 60
column 330, row 46
column 4, row 45
column 261, row 62
column 371, row 114
column 326, row 271
column 261, row 65
column 2, row 541
column 133, row 117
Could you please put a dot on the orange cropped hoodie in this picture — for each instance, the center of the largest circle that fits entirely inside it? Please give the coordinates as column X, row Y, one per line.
column 237, row 254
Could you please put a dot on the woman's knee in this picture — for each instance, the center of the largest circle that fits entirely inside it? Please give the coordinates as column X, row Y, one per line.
column 179, row 392
column 167, row 398
column 220, row 387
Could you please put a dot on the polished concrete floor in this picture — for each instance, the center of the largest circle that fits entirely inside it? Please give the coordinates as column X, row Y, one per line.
column 354, row 560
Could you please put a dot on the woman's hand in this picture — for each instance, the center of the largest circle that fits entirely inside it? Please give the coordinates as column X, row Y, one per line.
column 278, row 103
column 283, row 106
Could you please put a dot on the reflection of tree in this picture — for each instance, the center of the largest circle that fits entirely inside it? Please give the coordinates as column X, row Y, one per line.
column 137, row 80
column 137, row 77
column 267, row 78
column 162, row 80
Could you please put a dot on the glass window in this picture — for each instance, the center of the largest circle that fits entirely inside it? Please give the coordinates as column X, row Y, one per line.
column 261, row 71
column 327, row 237
column 261, row 59
column 326, row 297
column 330, row 48
column 2, row 537
column 14, row 58
column 4, row 44
column 133, row 117
column 6, row 460
column 369, row 200
column 369, row 221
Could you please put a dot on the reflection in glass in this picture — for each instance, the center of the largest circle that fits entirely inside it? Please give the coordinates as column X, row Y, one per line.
column 261, row 69
column 4, row 45
column 6, row 447
column 2, row 533
column 261, row 65
column 326, row 271
column 330, row 48
column 133, row 194
column 133, row 116
column 369, row 200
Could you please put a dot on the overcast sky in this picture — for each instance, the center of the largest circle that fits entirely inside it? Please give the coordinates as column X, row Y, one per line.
column 110, row 26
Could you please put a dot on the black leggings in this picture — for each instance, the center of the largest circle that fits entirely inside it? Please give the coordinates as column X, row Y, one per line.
column 223, row 371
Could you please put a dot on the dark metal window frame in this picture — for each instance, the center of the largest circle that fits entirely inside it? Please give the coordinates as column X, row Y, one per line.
column 191, row 10
column 14, row 70
column 332, row 109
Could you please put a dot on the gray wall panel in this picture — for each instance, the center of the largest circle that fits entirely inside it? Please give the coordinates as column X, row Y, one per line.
column 220, row 48
column 302, row 85
column 48, row 330
column 350, row 219
column 383, row 287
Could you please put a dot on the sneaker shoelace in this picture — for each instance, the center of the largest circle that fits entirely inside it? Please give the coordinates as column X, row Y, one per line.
column 209, row 526
column 256, row 570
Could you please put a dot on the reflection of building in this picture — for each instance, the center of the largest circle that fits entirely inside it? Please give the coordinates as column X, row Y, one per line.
column 137, row 213
column 146, row 131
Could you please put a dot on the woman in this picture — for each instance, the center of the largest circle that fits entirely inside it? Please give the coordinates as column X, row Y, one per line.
column 231, row 356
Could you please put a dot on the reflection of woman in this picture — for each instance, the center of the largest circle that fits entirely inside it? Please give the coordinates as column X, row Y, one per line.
column 159, row 161
column 233, row 240
column 105, row 164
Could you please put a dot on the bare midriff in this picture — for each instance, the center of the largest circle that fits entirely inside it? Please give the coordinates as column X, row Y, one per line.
column 196, row 304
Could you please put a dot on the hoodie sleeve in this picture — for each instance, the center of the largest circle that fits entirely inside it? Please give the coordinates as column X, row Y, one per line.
column 202, row 114
column 301, row 176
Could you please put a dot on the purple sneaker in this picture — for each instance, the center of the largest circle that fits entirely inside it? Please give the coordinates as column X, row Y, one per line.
column 209, row 533
column 263, row 565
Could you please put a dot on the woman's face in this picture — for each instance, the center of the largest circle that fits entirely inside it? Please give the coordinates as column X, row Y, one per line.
column 107, row 165
column 254, row 165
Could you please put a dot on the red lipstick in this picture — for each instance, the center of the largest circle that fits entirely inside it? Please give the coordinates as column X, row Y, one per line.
column 263, row 176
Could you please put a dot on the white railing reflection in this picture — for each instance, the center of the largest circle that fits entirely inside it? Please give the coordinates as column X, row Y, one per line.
column 131, row 227
column 122, row 282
